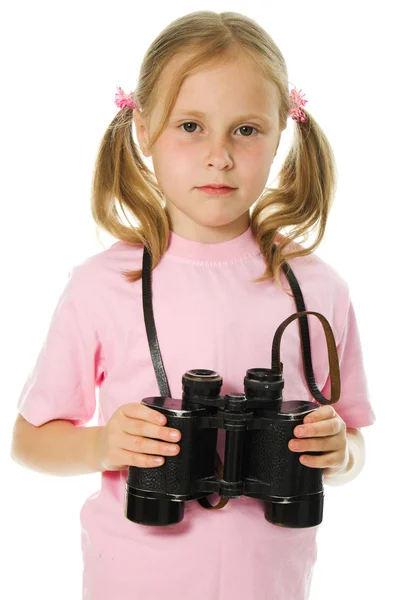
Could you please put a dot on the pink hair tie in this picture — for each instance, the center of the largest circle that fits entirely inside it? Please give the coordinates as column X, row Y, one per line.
column 122, row 99
column 296, row 100
column 296, row 112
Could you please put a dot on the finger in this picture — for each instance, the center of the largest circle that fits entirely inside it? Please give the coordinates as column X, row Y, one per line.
column 140, row 411
column 135, row 459
column 330, row 459
column 324, row 444
column 148, row 430
column 318, row 429
column 141, row 445
column 319, row 414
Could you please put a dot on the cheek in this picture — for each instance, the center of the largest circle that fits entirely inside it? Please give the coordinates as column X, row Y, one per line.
column 254, row 166
column 258, row 156
column 170, row 160
column 178, row 158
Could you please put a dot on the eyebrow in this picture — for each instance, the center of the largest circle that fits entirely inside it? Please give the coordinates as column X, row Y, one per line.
column 198, row 113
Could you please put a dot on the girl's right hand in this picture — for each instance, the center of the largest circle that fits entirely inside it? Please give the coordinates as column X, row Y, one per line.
column 130, row 439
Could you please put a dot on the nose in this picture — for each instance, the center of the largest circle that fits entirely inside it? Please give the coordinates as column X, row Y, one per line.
column 219, row 154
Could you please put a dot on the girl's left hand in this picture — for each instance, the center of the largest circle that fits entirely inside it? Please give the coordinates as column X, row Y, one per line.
column 323, row 430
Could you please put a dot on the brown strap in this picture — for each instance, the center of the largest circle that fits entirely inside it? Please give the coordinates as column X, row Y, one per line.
column 222, row 501
column 334, row 369
column 334, row 373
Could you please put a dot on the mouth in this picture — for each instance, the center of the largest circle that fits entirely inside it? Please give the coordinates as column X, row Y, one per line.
column 216, row 189
column 216, row 186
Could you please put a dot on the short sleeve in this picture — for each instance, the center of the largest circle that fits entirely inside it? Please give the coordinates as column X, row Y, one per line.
column 354, row 405
column 63, row 381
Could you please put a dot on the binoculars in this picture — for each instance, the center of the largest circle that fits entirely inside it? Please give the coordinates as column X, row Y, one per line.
column 259, row 425
column 257, row 462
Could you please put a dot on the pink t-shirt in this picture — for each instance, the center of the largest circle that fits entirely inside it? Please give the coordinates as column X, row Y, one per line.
column 208, row 315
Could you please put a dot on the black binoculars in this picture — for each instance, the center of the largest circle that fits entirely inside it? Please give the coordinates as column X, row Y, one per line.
column 259, row 425
column 257, row 462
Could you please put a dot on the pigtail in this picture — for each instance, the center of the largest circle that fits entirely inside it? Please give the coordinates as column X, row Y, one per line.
column 301, row 201
column 125, row 189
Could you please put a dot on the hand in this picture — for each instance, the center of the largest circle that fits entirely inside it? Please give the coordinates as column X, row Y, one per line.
column 324, row 431
column 130, row 439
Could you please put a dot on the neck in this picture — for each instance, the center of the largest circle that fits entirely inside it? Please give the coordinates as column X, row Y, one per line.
column 209, row 234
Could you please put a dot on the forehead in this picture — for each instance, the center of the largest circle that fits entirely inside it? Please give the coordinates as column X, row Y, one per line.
column 234, row 80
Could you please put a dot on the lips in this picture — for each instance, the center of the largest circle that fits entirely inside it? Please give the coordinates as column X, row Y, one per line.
column 219, row 191
column 217, row 186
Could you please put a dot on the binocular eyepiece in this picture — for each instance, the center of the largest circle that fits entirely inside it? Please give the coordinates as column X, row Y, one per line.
column 257, row 462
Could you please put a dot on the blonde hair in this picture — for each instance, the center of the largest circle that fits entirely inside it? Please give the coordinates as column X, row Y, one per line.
column 306, row 181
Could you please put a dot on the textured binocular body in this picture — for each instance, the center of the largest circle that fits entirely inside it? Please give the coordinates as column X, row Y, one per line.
column 257, row 461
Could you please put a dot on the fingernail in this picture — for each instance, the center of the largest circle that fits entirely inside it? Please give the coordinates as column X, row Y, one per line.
column 300, row 431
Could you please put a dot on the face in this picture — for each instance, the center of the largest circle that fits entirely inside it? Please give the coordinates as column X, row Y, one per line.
column 218, row 147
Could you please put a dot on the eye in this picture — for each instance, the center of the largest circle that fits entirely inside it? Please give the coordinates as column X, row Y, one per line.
column 242, row 127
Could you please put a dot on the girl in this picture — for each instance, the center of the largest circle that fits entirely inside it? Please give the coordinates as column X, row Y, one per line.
column 211, row 103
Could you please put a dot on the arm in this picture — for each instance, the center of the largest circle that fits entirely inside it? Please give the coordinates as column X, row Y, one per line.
column 355, row 463
column 55, row 448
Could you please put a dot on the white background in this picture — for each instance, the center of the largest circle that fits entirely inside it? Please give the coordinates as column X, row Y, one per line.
column 61, row 65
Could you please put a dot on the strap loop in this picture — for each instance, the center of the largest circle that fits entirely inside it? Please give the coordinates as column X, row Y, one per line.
column 334, row 371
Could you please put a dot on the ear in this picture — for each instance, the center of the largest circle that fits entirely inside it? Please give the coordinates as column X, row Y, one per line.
column 141, row 133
